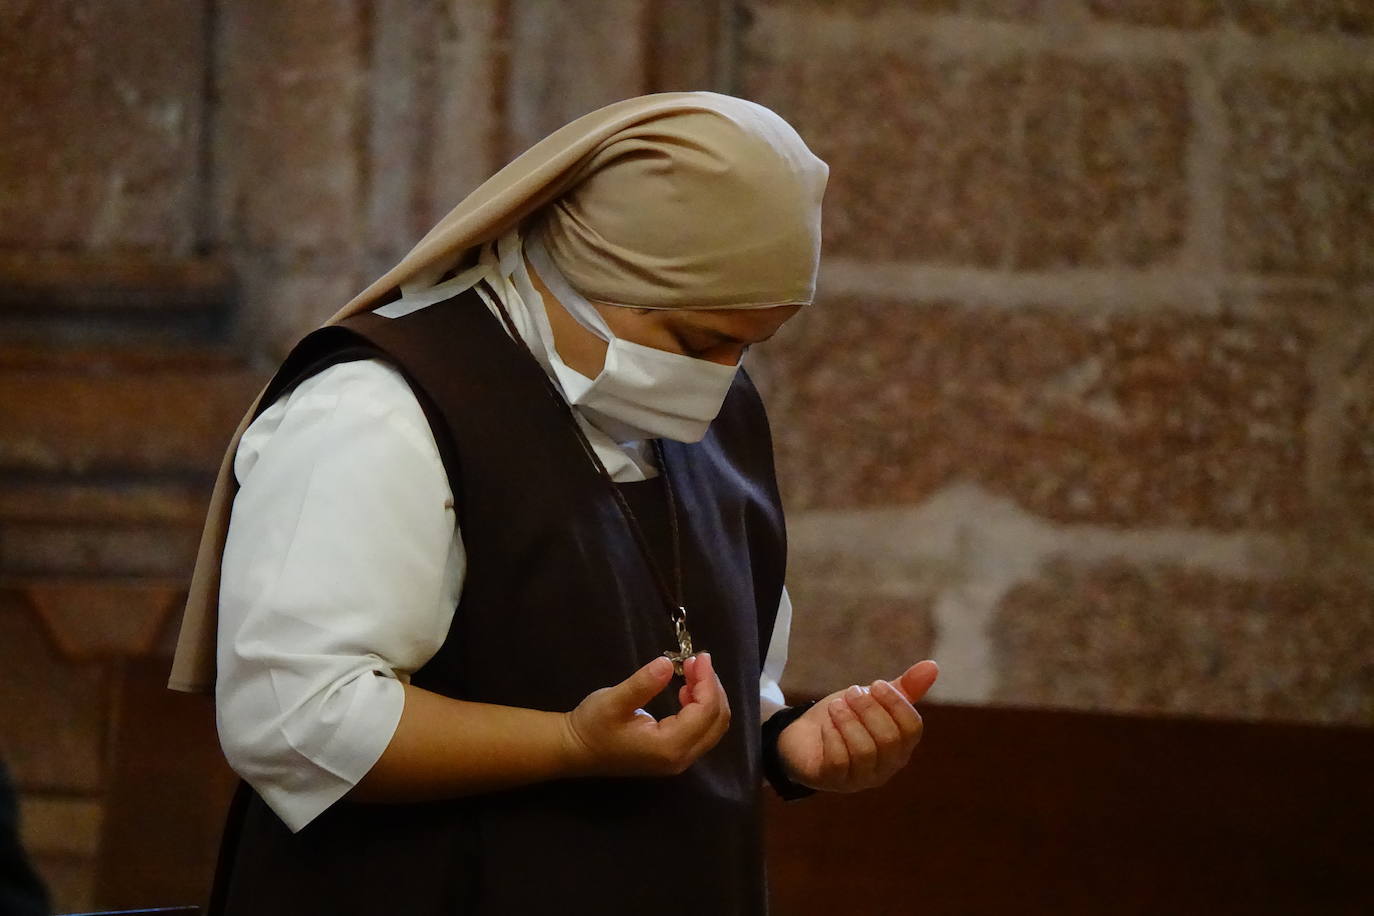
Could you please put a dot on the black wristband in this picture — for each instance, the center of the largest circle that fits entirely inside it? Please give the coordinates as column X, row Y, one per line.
column 772, row 762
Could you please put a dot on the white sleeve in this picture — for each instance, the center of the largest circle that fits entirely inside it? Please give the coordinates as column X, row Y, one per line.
column 770, row 694
column 341, row 572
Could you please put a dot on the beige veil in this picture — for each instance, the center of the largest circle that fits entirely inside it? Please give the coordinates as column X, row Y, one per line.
column 678, row 200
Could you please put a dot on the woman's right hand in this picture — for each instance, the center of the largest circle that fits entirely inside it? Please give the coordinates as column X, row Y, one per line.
column 610, row 734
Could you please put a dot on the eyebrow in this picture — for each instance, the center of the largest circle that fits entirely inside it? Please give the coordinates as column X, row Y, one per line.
column 723, row 337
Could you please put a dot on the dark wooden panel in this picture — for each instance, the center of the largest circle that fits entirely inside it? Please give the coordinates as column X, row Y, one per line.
column 169, row 790
column 1034, row 811
column 1004, row 810
column 48, row 280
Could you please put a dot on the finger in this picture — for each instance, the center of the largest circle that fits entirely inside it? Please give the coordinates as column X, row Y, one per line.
column 863, row 753
column 702, row 678
column 642, row 686
column 705, row 707
column 684, row 693
column 907, row 719
column 709, row 713
column 835, row 760
column 691, row 733
column 878, row 722
column 704, row 686
column 917, row 679
column 715, row 701
column 710, row 737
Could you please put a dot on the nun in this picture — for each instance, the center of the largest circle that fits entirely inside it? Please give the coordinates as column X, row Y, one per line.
column 491, row 590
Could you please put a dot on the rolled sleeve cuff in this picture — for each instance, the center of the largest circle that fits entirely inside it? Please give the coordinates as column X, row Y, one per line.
column 302, row 792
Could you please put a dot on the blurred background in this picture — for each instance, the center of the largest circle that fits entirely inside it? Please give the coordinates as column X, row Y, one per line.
column 1085, row 408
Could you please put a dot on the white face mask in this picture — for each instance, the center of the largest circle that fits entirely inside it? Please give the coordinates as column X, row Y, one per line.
column 641, row 392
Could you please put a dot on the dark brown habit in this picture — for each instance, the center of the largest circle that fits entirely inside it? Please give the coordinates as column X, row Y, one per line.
column 558, row 601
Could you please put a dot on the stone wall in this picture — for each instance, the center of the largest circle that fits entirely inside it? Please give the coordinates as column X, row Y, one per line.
column 1085, row 409
column 185, row 187
column 336, row 155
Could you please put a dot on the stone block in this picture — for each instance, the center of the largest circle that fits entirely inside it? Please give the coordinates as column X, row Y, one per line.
column 1177, row 14
column 1349, row 17
column 291, row 82
column 992, row 9
column 283, row 303
column 168, row 503
column 1357, row 457
column 1105, row 164
column 843, row 636
column 432, row 121
column 946, row 157
column 1165, row 639
column 1298, row 196
column 79, row 422
column 688, row 45
column 53, row 720
column 920, row 164
column 1354, row 17
column 104, row 112
column 66, row 550
column 40, row 282
column 466, row 120
column 568, row 58
column 1139, row 419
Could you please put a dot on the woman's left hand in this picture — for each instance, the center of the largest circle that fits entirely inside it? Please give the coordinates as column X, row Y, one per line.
column 859, row 737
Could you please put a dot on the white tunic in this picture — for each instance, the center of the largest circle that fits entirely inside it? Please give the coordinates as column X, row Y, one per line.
column 343, row 567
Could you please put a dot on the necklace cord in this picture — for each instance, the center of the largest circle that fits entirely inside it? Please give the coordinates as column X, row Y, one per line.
column 672, row 597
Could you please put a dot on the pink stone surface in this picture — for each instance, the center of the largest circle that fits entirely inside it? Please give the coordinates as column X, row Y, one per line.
column 843, row 636
column 685, row 45
column 1105, row 164
column 1357, row 457
column 921, row 167
column 64, row 549
column 103, row 118
column 569, row 58
column 1163, row 639
column 1180, row 14
column 284, row 302
column 289, row 137
column 1299, row 199
column 66, row 421
column 431, row 130
column 950, row 158
column 140, row 503
column 995, row 9
column 1150, row 419
column 1354, row 17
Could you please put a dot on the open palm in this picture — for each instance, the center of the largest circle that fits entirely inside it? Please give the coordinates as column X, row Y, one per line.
column 859, row 737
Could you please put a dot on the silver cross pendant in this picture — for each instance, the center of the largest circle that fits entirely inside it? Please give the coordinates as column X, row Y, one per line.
column 684, row 643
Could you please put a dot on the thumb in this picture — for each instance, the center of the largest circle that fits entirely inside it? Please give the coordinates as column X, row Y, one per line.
column 917, row 679
column 642, row 686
